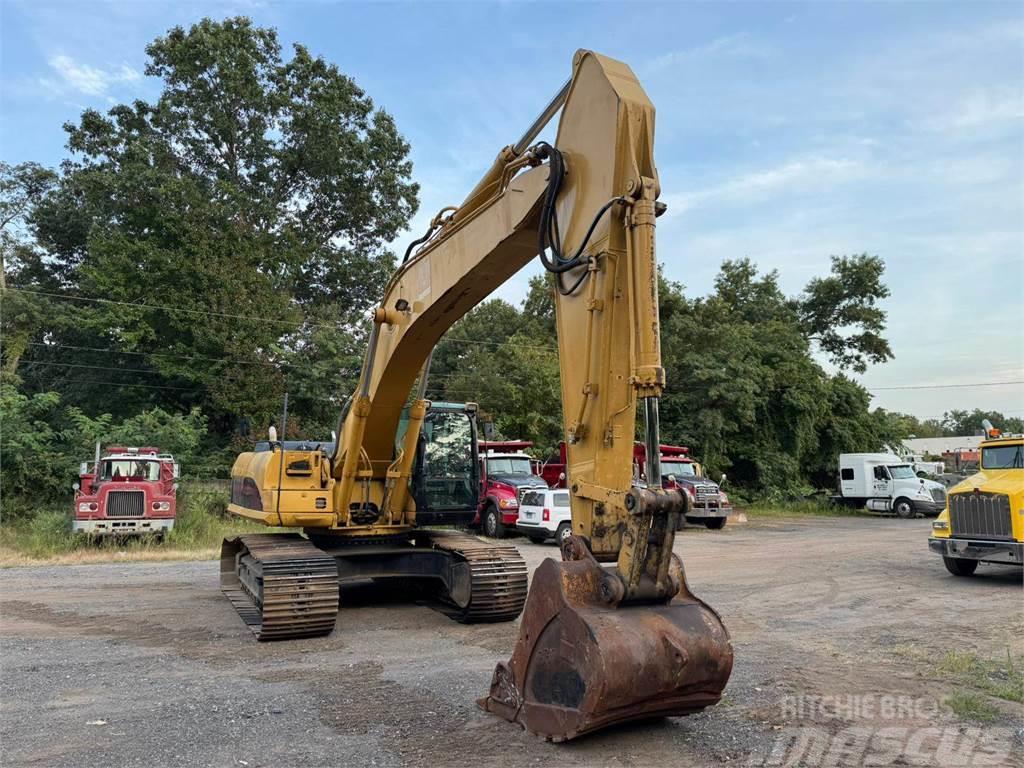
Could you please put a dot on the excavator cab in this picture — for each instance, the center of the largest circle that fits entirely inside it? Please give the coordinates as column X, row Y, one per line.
column 446, row 475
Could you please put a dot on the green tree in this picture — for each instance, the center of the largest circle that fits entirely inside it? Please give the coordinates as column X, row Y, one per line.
column 236, row 228
column 841, row 313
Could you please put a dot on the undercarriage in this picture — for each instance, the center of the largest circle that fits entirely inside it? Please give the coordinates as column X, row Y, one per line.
column 286, row 586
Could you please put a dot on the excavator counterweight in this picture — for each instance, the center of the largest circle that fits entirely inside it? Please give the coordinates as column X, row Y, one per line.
column 612, row 632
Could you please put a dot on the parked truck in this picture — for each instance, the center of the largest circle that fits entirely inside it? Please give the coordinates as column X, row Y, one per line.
column 126, row 492
column 506, row 472
column 883, row 482
column 983, row 521
column 708, row 504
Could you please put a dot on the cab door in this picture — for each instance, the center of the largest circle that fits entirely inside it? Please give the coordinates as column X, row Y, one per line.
column 881, row 484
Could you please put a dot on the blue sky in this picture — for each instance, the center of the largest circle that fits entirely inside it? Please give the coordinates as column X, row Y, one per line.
column 785, row 132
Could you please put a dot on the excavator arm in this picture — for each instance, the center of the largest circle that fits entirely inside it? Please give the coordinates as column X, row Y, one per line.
column 603, row 206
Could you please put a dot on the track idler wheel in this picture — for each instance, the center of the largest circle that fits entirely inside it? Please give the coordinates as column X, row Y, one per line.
column 584, row 660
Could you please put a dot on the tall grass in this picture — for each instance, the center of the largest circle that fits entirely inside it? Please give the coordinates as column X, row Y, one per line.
column 812, row 506
column 46, row 536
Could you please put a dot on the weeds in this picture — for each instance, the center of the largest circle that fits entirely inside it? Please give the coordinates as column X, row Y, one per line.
column 1004, row 680
column 971, row 706
column 198, row 529
column 815, row 506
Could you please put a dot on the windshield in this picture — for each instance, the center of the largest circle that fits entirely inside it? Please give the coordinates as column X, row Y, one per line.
column 509, row 466
column 902, row 472
column 130, row 468
column 678, row 468
column 1003, row 457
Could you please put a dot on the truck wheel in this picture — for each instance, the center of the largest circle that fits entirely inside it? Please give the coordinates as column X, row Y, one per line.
column 904, row 508
column 564, row 532
column 715, row 523
column 492, row 524
column 960, row 566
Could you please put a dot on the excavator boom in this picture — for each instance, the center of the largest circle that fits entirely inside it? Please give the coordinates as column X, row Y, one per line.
column 612, row 632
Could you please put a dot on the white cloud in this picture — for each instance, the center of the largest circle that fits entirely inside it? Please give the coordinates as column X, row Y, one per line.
column 799, row 173
column 981, row 109
column 81, row 78
column 739, row 46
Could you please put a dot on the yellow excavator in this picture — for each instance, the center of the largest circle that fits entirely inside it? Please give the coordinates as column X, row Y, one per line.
column 612, row 632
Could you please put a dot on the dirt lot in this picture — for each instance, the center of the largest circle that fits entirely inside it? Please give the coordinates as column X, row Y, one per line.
column 836, row 622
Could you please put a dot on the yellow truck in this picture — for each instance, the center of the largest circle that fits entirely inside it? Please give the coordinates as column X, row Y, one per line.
column 984, row 516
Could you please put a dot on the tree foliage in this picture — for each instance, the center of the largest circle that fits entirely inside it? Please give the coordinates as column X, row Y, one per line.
column 231, row 235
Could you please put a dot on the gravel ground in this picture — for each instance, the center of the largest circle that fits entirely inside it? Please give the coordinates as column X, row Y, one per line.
column 835, row 622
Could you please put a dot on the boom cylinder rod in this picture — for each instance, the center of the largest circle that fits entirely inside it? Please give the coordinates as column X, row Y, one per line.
column 653, row 442
column 542, row 120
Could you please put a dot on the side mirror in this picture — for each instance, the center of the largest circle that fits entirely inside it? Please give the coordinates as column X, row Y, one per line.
column 561, row 475
column 672, row 478
column 721, row 480
column 177, row 471
column 75, row 486
column 83, row 468
column 272, row 434
column 174, row 487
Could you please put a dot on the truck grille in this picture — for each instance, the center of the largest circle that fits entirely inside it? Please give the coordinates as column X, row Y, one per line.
column 706, row 492
column 939, row 495
column 126, row 504
column 980, row 515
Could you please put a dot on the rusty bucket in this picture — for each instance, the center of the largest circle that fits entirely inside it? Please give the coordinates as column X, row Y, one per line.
column 584, row 661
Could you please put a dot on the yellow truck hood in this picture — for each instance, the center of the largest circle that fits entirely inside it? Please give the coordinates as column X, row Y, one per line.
column 1008, row 481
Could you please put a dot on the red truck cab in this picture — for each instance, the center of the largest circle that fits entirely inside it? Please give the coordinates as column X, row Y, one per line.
column 708, row 504
column 127, row 491
column 506, row 472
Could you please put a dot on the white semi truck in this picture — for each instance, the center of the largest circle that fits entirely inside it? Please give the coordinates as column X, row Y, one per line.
column 884, row 482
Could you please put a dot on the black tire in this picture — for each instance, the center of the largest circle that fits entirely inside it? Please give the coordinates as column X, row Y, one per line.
column 715, row 523
column 564, row 531
column 537, row 539
column 492, row 525
column 904, row 509
column 960, row 566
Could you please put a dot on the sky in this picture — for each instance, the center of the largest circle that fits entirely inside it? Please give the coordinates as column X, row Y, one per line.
column 786, row 133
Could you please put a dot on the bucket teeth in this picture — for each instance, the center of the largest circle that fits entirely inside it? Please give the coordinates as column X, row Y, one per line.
column 582, row 664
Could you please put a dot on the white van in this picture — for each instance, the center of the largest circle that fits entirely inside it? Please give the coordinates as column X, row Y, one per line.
column 545, row 514
column 884, row 482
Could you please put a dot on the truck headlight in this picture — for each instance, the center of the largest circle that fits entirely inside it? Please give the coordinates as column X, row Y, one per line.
column 161, row 506
column 83, row 506
column 940, row 525
column 508, row 503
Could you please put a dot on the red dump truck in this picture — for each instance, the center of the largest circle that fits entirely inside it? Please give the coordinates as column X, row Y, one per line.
column 709, row 505
column 506, row 472
column 126, row 492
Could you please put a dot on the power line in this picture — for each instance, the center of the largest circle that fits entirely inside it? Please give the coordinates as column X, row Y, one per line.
column 126, row 384
column 47, row 345
column 950, row 386
column 251, row 317
column 166, row 308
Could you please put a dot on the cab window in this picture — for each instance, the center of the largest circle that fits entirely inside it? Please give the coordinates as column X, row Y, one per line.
column 881, row 473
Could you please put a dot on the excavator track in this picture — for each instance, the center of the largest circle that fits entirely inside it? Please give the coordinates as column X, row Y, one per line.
column 281, row 585
column 497, row 578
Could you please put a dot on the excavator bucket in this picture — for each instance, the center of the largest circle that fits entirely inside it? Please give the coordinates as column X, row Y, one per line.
column 583, row 662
